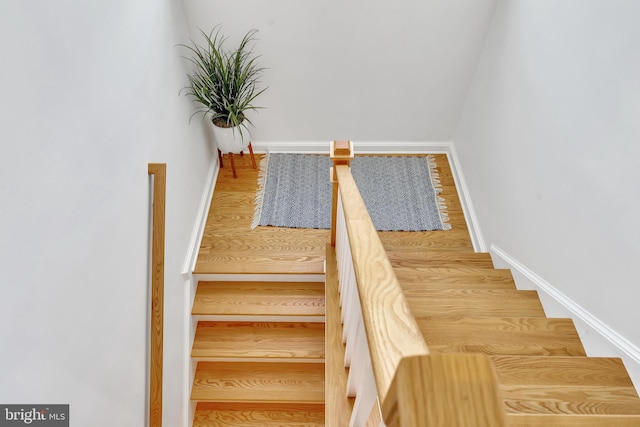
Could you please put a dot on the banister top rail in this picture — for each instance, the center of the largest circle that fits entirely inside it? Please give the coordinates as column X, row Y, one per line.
column 391, row 329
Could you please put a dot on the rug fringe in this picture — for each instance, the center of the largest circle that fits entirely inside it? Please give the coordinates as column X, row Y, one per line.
column 262, row 180
column 437, row 185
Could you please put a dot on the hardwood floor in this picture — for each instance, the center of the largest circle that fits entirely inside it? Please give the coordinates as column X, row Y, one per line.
column 229, row 245
column 252, row 368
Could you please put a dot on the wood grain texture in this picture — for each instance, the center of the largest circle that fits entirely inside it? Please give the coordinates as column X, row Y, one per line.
column 474, row 303
column 266, row 382
column 262, row 340
column 572, row 420
column 426, row 259
column 159, row 172
column 454, row 240
column 566, row 385
column 391, row 329
column 375, row 417
column 337, row 405
column 260, row 298
column 454, row 278
column 453, row 390
column 545, row 371
column 210, row 414
column 526, row 336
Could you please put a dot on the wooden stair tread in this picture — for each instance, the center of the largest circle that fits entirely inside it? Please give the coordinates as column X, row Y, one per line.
column 454, row 277
column 439, row 259
column 566, row 385
column 607, row 371
column 273, row 340
column 525, row 336
column 457, row 239
column 259, row 382
column 212, row 414
column 474, row 303
column 239, row 263
column 259, row 298
column 572, row 420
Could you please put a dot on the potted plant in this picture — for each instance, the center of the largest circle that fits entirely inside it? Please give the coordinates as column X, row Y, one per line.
column 225, row 84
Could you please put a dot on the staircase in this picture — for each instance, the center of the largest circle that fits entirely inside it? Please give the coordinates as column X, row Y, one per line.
column 259, row 348
column 259, row 353
column 463, row 304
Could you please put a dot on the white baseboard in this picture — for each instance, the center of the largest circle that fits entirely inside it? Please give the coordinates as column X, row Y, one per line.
column 377, row 147
column 473, row 224
column 201, row 220
column 597, row 337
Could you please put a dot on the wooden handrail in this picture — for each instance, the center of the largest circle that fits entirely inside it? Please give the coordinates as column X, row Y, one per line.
column 158, row 170
column 392, row 331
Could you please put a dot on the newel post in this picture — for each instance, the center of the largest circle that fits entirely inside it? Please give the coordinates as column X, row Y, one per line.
column 341, row 153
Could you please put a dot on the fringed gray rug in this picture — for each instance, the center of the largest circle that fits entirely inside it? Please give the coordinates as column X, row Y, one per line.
column 400, row 192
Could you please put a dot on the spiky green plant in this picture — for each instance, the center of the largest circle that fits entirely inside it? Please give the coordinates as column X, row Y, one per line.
column 224, row 82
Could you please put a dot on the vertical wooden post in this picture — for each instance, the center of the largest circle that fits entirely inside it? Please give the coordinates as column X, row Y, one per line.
column 341, row 153
column 158, row 170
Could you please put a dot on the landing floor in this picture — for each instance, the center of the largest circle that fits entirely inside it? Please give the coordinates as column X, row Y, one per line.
column 230, row 246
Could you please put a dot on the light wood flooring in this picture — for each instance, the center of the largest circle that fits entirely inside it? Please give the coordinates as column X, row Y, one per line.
column 229, row 245
column 249, row 374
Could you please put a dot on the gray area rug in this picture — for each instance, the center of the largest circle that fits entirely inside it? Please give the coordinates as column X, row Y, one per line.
column 400, row 192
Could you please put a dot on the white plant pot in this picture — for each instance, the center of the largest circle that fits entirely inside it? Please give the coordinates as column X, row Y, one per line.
column 229, row 140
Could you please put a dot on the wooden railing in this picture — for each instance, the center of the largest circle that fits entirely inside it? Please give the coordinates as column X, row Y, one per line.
column 390, row 369
column 158, row 171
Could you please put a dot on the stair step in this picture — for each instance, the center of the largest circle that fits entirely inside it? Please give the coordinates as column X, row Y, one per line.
column 210, row 414
column 259, row 299
column 563, row 420
column 240, row 263
column 453, row 240
column 524, row 336
column 268, row 340
column 566, row 385
column 263, row 382
column 440, row 259
column 474, row 303
column 451, row 278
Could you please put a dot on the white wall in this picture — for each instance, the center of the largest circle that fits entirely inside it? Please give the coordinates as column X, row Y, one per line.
column 88, row 97
column 548, row 141
column 356, row 69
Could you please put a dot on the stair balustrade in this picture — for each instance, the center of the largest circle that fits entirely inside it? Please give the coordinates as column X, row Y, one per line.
column 392, row 375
